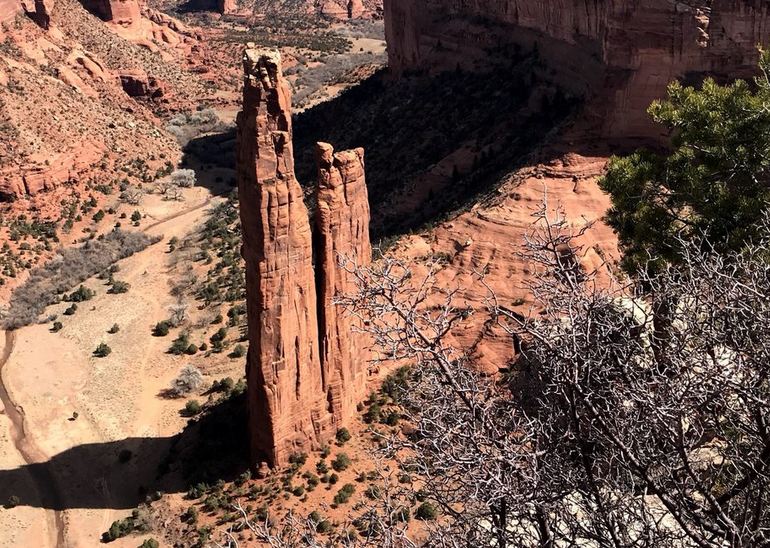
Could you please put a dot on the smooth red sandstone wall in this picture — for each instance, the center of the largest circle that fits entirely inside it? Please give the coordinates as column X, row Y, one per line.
column 622, row 52
column 342, row 223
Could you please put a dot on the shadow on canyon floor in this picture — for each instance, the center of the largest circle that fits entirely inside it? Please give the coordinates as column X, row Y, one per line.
column 121, row 474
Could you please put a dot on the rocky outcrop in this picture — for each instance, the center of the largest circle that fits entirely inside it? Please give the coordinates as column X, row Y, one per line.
column 226, row 7
column 137, row 83
column 621, row 54
column 119, row 12
column 9, row 10
column 302, row 380
column 342, row 225
column 286, row 403
column 43, row 174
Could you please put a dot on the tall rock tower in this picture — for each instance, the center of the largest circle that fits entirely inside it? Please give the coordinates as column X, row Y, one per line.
column 287, row 408
column 306, row 368
column 342, row 223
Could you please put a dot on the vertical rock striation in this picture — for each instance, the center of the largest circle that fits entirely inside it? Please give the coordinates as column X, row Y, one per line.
column 342, row 224
column 287, row 410
column 306, row 368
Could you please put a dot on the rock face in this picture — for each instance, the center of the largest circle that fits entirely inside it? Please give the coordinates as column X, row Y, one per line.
column 286, row 404
column 621, row 53
column 137, row 83
column 120, row 12
column 298, row 394
column 9, row 9
column 342, row 222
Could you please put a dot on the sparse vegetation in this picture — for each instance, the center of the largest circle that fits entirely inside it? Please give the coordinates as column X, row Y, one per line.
column 102, row 351
column 189, row 380
column 70, row 267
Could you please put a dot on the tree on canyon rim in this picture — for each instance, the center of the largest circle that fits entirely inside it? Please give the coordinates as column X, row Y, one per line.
column 714, row 180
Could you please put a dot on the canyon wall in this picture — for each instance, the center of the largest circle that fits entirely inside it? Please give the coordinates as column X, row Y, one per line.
column 297, row 394
column 619, row 54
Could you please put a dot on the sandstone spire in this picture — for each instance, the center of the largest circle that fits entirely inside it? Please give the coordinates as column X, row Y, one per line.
column 342, row 223
column 287, row 408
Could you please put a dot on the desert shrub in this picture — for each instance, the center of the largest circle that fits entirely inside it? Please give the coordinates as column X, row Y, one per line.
column 396, row 382
column 333, row 478
column 13, row 502
column 343, row 435
column 102, row 351
column 344, row 494
column 189, row 380
column 119, row 287
column 192, row 408
column 180, row 345
column 57, row 326
column 161, row 329
column 426, row 511
column 224, row 385
column 192, row 349
column 321, row 467
column 150, row 543
column 341, row 462
column 81, row 294
column 71, row 309
column 119, row 528
column 372, row 492
column 238, row 352
column 114, row 329
column 184, row 178
column 69, row 268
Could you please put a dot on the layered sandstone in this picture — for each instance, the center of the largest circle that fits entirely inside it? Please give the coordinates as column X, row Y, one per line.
column 620, row 53
column 342, row 222
column 306, row 369
column 286, row 403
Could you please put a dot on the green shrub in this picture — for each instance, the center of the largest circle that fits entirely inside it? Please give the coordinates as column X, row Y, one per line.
column 179, row 345
column 344, row 494
column 343, row 435
column 81, row 294
column 161, row 329
column 150, row 543
column 102, row 351
column 341, row 462
column 192, row 408
column 426, row 511
column 118, row 287
column 238, row 352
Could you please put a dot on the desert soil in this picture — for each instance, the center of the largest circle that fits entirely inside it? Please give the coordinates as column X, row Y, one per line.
column 49, row 376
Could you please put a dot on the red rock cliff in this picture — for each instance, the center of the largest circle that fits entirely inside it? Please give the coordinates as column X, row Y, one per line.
column 286, row 399
column 342, row 222
column 306, row 368
column 620, row 52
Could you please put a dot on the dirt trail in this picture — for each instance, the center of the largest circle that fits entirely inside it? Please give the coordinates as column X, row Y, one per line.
column 47, row 487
